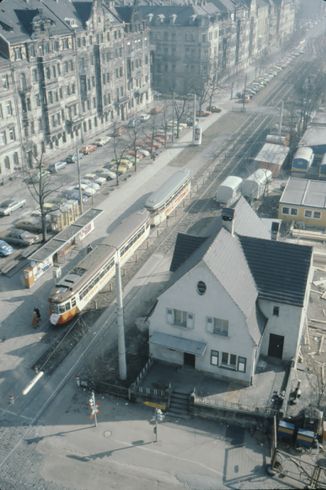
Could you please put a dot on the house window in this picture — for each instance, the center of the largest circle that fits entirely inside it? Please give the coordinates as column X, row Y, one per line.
column 242, row 364
column 285, row 210
column 9, row 108
column 180, row 318
column 12, row 135
column 3, row 138
column 294, row 212
column 217, row 326
column 307, row 214
column 316, row 215
column 7, row 163
column 201, row 287
column 229, row 360
column 276, row 310
column 214, row 357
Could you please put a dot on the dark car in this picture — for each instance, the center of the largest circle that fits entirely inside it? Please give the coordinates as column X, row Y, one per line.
column 213, row 108
column 22, row 238
column 72, row 158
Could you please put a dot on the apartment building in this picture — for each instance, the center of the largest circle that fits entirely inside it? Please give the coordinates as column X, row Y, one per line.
column 73, row 68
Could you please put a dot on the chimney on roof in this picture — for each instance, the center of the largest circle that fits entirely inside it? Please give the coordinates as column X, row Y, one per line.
column 274, row 230
column 228, row 219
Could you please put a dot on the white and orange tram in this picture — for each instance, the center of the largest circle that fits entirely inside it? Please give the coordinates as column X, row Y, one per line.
column 76, row 289
column 162, row 202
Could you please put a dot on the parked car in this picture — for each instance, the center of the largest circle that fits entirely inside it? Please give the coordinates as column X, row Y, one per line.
column 10, row 205
column 86, row 189
column 100, row 180
column 35, row 177
column 103, row 140
column 107, row 174
column 144, row 117
column 22, row 238
column 117, row 131
column 86, row 149
column 146, row 153
column 133, row 123
column 73, row 193
column 91, row 183
column 5, row 249
column 213, row 108
column 55, row 167
column 72, row 158
column 90, row 176
column 202, row 113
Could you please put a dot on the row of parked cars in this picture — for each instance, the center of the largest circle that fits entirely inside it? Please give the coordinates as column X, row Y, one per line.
column 256, row 85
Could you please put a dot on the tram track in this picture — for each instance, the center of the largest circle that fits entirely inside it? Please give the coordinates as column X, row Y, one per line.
column 228, row 159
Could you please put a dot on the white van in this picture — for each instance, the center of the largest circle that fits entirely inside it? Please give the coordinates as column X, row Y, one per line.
column 55, row 167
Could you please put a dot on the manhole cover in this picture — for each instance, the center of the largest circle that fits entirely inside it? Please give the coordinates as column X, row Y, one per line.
column 107, row 433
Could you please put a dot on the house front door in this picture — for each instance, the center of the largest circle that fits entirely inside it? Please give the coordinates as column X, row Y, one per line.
column 275, row 348
column 189, row 359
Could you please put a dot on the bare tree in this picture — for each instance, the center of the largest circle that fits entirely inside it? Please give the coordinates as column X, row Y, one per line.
column 180, row 109
column 120, row 148
column 41, row 186
column 134, row 134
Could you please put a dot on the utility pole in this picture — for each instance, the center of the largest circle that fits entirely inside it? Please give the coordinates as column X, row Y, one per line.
column 281, row 118
column 120, row 320
column 173, row 99
column 194, row 118
column 79, row 183
column 244, row 95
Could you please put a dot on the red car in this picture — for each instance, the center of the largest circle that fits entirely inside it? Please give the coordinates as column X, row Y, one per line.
column 86, row 149
column 203, row 113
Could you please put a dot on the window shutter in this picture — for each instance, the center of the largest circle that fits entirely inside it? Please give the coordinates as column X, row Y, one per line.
column 169, row 316
column 209, row 324
column 190, row 320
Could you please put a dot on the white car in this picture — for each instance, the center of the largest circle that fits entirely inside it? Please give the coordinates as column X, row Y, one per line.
column 88, row 191
column 144, row 117
column 103, row 140
column 10, row 205
column 144, row 152
column 100, row 180
column 91, row 184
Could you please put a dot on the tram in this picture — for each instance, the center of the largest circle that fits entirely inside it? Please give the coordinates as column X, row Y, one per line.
column 322, row 168
column 162, row 202
column 75, row 290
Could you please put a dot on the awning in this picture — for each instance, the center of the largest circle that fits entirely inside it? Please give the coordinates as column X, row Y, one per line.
column 178, row 343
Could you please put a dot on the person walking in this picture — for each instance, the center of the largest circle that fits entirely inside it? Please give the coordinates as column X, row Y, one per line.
column 36, row 318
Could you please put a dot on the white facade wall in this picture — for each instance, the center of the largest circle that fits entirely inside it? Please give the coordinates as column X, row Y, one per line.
column 216, row 303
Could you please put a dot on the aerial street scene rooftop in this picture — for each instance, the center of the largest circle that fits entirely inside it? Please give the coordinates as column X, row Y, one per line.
column 162, row 244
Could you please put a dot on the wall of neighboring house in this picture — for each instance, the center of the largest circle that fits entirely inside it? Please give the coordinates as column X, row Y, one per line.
column 315, row 217
column 286, row 321
column 214, row 303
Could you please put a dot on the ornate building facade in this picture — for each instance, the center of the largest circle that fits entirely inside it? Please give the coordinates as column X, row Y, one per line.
column 69, row 70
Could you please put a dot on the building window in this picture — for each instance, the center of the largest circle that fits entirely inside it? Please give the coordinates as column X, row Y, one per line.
column 7, row 163
column 286, row 210
column 201, row 287
column 3, row 138
column 229, row 360
column 294, row 212
column 16, row 159
column 217, row 326
column 12, row 135
column 180, row 318
column 242, row 364
column 5, row 81
column 34, row 75
column 276, row 310
column 308, row 214
column 9, row 108
column 214, row 357
column 316, row 214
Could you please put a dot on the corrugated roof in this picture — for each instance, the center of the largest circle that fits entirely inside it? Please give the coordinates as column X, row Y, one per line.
column 304, row 192
column 274, row 154
column 280, row 269
column 178, row 343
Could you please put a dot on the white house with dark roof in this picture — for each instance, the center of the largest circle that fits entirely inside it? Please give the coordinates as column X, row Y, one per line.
column 231, row 299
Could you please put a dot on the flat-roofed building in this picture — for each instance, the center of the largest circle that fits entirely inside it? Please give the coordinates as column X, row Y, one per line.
column 315, row 138
column 304, row 200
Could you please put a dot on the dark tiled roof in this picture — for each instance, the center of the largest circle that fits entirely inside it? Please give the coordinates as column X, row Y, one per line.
column 280, row 269
column 185, row 246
